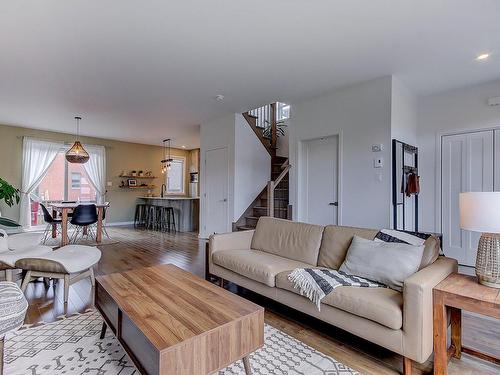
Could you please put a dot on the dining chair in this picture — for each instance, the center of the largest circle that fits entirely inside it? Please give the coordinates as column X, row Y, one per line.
column 84, row 216
column 50, row 221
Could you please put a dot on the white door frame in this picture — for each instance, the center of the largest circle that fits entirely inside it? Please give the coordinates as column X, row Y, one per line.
column 228, row 225
column 439, row 166
column 301, row 169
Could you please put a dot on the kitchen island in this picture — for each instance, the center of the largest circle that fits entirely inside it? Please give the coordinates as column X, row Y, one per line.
column 186, row 209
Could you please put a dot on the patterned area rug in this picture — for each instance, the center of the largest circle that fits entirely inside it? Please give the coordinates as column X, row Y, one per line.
column 72, row 346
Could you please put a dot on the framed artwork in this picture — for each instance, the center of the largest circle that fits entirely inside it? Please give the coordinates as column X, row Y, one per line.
column 132, row 182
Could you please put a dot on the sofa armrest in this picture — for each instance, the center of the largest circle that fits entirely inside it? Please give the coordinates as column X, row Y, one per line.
column 227, row 241
column 417, row 307
column 231, row 241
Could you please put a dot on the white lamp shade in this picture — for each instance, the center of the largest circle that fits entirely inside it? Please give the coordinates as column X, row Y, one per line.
column 480, row 212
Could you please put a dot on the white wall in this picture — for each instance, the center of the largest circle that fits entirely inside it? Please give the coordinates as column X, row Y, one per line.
column 404, row 128
column 252, row 166
column 453, row 111
column 362, row 114
column 403, row 113
column 217, row 133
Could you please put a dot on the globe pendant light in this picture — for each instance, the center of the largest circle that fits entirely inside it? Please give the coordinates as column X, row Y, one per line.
column 167, row 157
column 77, row 154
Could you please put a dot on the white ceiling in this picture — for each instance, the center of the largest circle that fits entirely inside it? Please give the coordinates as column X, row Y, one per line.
column 145, row 70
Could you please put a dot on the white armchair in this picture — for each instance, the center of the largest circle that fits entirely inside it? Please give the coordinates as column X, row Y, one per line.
column 18, row 246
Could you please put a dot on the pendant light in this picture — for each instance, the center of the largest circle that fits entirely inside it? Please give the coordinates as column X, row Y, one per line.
column 167, row 157
column 77, row 154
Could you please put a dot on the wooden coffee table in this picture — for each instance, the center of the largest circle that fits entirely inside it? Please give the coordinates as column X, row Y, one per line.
column 170, row 321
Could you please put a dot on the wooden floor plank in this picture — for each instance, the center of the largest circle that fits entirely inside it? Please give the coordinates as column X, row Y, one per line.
column 140, row 248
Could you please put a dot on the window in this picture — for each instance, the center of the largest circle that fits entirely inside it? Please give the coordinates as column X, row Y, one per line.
column 283, row 111
column 63, row 182
column 175, row 177
column 76, row 180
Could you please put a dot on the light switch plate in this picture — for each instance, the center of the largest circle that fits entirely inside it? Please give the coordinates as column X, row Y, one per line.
column 109, row 183
column 378, row 163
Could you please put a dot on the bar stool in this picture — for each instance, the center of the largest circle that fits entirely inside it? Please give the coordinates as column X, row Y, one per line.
column 151, row 222
column 170, row 214
column 140, row 215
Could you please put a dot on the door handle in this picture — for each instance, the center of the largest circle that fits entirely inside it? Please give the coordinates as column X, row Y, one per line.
column 223, row 200
column 333, row 203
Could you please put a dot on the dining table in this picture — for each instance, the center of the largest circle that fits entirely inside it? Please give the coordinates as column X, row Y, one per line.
column 64, row 208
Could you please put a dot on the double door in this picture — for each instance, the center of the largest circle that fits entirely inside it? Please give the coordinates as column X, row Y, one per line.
column 470, row 162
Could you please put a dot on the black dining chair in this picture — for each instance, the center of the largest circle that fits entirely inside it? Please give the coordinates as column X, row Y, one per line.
column 50, row 221
column 84, row 216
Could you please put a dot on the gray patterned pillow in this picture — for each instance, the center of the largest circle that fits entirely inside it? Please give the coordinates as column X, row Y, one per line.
column 384, row 262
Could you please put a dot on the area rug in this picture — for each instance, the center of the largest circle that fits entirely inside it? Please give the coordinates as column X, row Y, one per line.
column 72, row 346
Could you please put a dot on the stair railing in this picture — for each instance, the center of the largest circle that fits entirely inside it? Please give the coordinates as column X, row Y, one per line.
column 271, row 186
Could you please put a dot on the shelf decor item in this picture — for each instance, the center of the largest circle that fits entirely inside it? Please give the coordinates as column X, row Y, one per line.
column 480, row 212
column 167, row 157
column 132, row 182
column 77, row 154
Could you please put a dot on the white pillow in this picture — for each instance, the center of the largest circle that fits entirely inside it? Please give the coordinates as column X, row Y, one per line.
column 388, row 263
column 3, row 241
column 23, row 241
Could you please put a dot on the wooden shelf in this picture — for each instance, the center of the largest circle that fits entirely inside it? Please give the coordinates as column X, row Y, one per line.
column 124, row 176
column 149, row 187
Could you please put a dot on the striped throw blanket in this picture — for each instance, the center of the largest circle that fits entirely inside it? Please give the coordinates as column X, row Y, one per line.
column 316, row 284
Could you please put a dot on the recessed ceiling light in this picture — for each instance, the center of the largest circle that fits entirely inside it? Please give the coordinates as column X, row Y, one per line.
column 483, row 56
column 219, row 98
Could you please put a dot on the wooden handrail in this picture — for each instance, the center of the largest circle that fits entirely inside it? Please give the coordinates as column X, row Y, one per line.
column 271, row 185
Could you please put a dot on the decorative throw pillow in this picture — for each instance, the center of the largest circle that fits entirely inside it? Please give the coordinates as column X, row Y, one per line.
column 388, row 263
column 432, row 246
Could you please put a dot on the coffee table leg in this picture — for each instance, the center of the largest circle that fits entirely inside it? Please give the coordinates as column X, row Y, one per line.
column 246, row 363
column 103, row 330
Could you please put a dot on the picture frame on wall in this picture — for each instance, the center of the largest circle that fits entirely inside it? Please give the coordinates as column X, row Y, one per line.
column 132, row 182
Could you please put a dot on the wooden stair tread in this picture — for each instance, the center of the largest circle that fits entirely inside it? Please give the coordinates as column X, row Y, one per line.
column 245, row 227
column 265, row 208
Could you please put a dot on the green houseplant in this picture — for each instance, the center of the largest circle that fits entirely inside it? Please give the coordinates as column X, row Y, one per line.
column 8, row 193
column 280, row 129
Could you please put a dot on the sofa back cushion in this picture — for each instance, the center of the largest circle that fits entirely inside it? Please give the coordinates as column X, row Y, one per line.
column 432, row 248
column 336, row 242
column 292, row 240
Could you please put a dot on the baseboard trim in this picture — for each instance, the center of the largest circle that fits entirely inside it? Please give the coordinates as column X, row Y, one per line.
column 119, row 223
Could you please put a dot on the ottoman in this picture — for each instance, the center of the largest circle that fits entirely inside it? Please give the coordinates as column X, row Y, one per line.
column 13, row 306
column 71, row 263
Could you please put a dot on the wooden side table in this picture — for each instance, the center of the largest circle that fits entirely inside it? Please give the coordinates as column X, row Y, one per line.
column 456, row 293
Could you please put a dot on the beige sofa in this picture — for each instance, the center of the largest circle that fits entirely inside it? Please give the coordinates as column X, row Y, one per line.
column 261, row 259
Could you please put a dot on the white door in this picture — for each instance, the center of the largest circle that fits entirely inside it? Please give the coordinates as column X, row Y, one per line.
column 321, row 180
column 467, row 165
column 216, row 180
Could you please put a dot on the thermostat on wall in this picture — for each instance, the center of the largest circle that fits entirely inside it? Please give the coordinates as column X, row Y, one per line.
column 378, row 148
column 494, row 101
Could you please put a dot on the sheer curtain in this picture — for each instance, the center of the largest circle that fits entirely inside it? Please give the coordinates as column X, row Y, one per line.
column 38, row 155
column 96, row 170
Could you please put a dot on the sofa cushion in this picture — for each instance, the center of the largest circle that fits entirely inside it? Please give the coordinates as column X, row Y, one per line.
column 254, row 264
column 292, row 240
column 381, row 305
column 336, row 242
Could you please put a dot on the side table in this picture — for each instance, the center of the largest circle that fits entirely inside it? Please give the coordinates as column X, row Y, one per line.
column 456, row 293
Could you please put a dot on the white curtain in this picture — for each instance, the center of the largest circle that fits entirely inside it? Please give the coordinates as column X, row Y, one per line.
column 38, row 155
column 96, row 170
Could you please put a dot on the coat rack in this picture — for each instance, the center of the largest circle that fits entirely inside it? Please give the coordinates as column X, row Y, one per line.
column 404, row 161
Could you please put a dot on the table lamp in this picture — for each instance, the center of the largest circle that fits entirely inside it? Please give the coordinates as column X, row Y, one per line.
column 480, row 212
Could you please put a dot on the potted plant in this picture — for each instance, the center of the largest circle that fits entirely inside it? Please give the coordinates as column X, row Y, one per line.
column 10, row 195
column 280, row 129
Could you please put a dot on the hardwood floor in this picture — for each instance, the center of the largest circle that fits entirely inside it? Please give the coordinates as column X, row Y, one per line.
column 138, row 248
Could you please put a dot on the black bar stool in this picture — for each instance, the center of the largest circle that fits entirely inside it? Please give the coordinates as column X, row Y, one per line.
column 140, row 215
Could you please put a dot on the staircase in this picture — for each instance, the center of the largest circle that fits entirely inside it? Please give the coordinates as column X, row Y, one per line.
column 274, row 198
